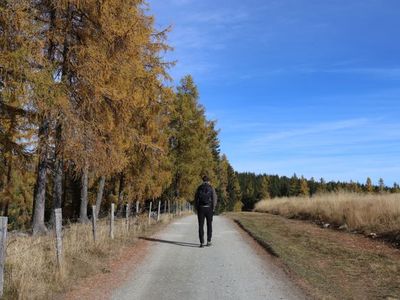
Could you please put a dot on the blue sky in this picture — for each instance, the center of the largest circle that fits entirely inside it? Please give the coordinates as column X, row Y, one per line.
column 305, row 86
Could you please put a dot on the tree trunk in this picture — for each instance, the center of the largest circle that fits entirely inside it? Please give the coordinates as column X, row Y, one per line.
column 7, row 185
column 58, row 174
column 9, row 166
column 58, row 159
column 83, row 218
column 38, row 225
column 121, row 195
column 2, row 191
column 99, row 198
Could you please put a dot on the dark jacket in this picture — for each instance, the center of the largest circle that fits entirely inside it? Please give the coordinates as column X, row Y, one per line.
column 214, row 196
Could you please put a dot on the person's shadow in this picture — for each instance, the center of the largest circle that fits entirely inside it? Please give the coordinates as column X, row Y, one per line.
column 183, row 244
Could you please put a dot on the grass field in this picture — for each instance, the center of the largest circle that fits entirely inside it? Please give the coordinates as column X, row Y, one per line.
column 31, row 271
column 377, row 214
column 327, row 263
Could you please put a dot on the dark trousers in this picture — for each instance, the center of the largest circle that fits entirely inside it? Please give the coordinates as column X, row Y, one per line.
column 205, row 213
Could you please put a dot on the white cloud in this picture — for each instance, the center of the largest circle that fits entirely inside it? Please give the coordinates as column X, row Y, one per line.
column 313, row 129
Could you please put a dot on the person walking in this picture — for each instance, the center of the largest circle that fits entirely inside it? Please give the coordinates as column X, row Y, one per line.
column 205, row 203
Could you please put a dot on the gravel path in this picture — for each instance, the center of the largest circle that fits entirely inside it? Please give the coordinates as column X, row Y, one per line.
column 176, row 268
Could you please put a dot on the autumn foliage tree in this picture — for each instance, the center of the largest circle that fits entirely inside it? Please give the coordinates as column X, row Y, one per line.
column 89, row 113
column 190, row 151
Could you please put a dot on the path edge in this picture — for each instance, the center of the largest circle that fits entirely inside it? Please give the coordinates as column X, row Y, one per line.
column 261, row 242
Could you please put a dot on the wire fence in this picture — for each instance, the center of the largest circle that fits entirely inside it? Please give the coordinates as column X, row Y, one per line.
column 134, row 216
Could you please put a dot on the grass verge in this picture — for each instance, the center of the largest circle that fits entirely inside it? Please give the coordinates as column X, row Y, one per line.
column 375, row 215
column 328, row 264
column 31, row 270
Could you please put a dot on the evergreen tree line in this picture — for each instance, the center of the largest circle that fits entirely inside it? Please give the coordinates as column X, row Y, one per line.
column 88, row 114
column 258, row 187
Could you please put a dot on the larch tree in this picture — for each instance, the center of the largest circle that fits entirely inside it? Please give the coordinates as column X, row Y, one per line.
column 368, row 186
column 233, row 191
column 189, row 143
column 396, row 188
column 149, row 169
column 381, row 185
column 263, row 189
column 304, row 190
column 114, row 66
column 294, row 188
column 15, row 77
column 222, row 187
column 322, row 188
column 85, row 96
column 27, row 89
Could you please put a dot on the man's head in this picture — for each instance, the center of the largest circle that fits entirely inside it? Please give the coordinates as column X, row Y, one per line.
column 205, row 178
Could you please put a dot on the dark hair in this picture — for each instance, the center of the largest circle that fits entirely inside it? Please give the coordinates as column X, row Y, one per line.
column 205, row 178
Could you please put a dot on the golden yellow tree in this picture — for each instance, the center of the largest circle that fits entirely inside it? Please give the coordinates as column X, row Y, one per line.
column 27, row 91
column 118, row 74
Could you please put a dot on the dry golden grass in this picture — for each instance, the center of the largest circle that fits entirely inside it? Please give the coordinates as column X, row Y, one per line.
column 378, row 214
column 31, row 266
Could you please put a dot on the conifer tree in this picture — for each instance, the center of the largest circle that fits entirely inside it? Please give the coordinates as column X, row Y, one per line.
column 322, row 188
column 304, row 189
column 117, row 72
column 368, row 186
column 27, row 90
column 222, row 187
column 190, row 149
column 294, row 189
column 233, row 191
column 263, row 189
column 381, row 185
column 396, row 188
column 84, row 96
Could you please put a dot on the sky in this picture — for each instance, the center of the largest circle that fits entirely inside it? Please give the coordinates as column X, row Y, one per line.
column 297, row 86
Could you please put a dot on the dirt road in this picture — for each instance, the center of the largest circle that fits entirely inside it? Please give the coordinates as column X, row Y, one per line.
column 176, row 268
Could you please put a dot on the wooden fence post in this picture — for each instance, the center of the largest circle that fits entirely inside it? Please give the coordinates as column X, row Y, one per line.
column 58, row 228
column 3, row 245
column 128, row 212
column 150, row 213
column 112, row 221
column 158, row 211
column 94, row 223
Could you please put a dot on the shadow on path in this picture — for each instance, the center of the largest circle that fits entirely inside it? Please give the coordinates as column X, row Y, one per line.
column 183, row 244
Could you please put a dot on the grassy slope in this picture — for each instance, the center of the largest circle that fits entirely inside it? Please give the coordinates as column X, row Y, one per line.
column 364, row 213
column 330, row 264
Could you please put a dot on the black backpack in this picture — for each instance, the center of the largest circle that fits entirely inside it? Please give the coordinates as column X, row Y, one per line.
column 205, row 195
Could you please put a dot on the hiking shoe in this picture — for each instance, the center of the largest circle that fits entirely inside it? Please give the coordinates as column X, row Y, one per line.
column 209, row 244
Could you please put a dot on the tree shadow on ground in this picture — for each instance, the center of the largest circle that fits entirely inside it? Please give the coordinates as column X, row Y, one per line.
column 183, row 244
